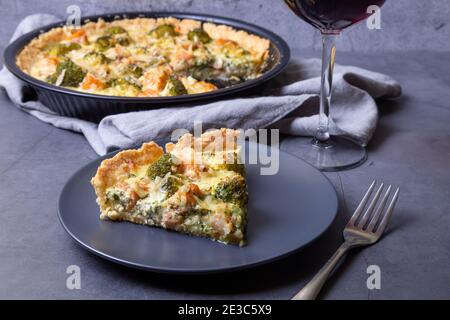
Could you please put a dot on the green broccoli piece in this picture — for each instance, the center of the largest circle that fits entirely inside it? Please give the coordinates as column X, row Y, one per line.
column 60, row 49
column 161, row 167
column 115, row 34
column 203, row 71
column 104, row 43
column 96, row 58
column 199, row 35
column 194, row 219
column 238, row 70
column 231, row 164
column 232, row 189
column 235, row 163
column 116, row 195
column 114, row 30
column 52, row 78
column 238, row 64
column 175, row 87
column 72, row 76
column 236, row 167
column 135, row 70
column 164, row 30
column 123, row 83
column 123, row 40
column 171, row 185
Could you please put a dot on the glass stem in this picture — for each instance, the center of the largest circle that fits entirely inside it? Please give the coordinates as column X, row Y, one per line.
column 328, row 54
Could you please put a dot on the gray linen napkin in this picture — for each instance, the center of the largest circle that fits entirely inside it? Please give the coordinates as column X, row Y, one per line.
column 289, row 103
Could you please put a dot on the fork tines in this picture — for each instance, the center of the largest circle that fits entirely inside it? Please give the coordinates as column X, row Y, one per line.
column 375, row 218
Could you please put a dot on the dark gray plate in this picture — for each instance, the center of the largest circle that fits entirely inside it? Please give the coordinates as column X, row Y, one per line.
column 286, row 212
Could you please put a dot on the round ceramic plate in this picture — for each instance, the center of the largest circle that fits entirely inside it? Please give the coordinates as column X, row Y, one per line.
column 286, row 211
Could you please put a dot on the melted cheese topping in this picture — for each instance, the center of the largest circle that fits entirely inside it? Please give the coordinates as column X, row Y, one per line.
column 136, row 60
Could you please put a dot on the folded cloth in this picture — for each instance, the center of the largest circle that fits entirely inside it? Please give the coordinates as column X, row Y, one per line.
column 288, row 103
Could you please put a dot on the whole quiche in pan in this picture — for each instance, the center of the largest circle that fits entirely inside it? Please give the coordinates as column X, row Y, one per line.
column 145, row 57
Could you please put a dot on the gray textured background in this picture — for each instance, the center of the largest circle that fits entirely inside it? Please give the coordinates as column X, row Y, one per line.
column 411, row 148
column 406, row 24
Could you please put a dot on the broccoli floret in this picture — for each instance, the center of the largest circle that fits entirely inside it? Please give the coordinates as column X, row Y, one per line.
column 72, row 76
column 96, row 58
column 202, row 72
column 231, row 163
column 161, row 167
column 104, row 43
column 241, row 70
column 123, row 83
column 175, row 87
column 164, row 30
column 115, row 30
column 60, row 49
column 113, row 35
column 135, row 70
column 171, row 185
column 232, row 189
column 238, row 64
column 116, row 195
column 117, row 199
column 194, row 220
column 199, row 35
column 206, row 73
column 236, row 167
column 237, row 61
column 123, row 40
column 52, row 78
column 129, row 77
column 71, row 46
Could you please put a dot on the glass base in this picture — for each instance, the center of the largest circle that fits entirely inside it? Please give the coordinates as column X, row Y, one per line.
column 336, row 154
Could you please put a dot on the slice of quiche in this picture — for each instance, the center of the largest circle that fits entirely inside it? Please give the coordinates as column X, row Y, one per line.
column 198, row 187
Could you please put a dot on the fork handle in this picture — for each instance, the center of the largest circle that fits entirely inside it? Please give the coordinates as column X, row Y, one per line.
column 312, row 289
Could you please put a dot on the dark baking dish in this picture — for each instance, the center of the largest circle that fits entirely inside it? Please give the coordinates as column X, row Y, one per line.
column 94, row 107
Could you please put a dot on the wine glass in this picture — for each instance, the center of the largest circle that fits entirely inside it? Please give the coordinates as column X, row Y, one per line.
column 326, row 152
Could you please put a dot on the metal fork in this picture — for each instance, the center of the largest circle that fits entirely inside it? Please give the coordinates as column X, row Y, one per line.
column 360, row 231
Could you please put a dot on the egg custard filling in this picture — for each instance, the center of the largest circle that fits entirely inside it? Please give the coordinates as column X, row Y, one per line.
column 145, row 57
column 197, row 192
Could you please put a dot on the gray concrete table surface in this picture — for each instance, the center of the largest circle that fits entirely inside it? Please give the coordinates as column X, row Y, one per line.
column 411, row 148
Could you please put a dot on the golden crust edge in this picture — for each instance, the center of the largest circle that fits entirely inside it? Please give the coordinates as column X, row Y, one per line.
column 108, row 170
column 32, row 50
column 253, row 43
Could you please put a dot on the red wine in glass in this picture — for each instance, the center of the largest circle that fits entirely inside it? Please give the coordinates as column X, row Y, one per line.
column 328, row 152
column 332, row 15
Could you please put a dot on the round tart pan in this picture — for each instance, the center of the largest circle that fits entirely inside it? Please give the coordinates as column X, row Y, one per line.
column 94, row 107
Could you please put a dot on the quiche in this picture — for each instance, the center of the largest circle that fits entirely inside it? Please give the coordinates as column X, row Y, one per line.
column 145, row 57
column 197, row 187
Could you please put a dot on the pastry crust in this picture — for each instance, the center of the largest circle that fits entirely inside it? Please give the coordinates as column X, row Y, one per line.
column 28, row 55
column 257, row 45
column 122, row 164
